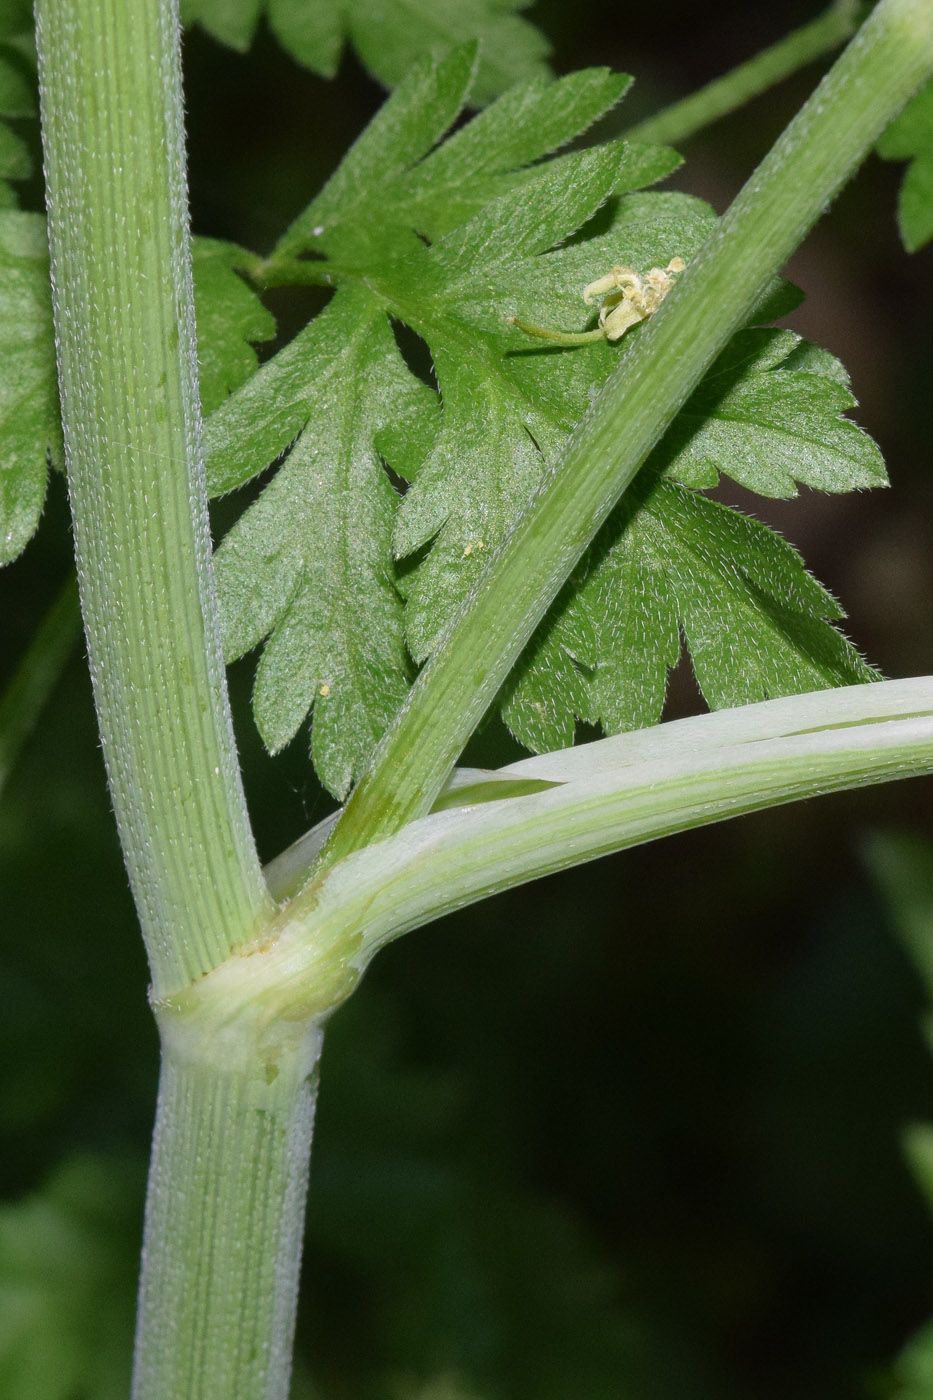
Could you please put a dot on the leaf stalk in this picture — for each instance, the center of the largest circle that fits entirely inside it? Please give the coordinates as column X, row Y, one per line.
column 749, row 80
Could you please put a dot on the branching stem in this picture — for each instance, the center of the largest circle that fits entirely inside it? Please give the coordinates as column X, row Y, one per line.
column 658, row 368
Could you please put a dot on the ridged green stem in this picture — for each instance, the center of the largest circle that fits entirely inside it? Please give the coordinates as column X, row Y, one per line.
column 768, row 68
column 226, row 1200
column 224, row 1216
column 659, row 367
column 124, row 320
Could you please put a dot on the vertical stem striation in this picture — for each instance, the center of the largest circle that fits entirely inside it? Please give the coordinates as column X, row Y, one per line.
column 224, row 1221
column 233, row 1131
column 124, row 318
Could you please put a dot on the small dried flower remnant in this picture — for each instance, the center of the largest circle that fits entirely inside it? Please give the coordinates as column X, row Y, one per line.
column 628, row 297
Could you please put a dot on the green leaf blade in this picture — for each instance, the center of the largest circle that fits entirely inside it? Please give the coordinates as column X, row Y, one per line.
column 390, row 35
column 29, row 420
column 310, row 562
column 404, row 129
column 475, row 239
column 755, row 623
column 230, row 22
column 230, row 317
column 770, row 427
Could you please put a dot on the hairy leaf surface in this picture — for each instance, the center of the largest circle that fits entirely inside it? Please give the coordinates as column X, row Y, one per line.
column 673, row 564
column 230, row 318
column 311, row 560
column 311, row 563
column 29, row 421
column 910, row 138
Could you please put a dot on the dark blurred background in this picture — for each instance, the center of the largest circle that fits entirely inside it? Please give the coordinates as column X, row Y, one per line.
column 632, row 1132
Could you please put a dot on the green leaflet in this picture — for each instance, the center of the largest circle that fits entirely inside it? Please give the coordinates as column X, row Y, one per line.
column 68, row 1264
column 392, row 174
column 311, row 560
column 229, row 315
column 910, row 138
column 388, row 35
column 29, row 422
column 768, row 414
column 673, row 563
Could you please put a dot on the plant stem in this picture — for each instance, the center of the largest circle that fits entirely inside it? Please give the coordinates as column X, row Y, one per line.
column 591, row 800
column 768, row 68
column 37, row 675
column 224, row 1216
column 112, row 128
column 659, row 367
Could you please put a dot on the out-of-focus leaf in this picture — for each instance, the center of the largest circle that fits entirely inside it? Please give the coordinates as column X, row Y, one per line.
column 910, row 138
column 388, row 35
column 68, row 1262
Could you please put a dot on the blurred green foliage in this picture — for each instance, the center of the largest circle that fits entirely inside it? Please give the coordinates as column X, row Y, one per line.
column 632, row 1133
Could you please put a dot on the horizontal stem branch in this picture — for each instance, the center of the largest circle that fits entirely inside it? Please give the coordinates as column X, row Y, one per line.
column 599, row 798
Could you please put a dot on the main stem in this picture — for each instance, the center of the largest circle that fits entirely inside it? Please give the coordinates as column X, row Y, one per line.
column 885, row 63
column 226, row 1201
column 124, row 320
column 224, row 1216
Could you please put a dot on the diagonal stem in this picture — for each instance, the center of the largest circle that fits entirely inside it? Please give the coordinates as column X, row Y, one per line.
column 794, row 51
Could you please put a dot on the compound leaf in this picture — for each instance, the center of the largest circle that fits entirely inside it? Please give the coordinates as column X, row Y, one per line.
column 910, row 138
column 310, row 565
column 454, row 238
